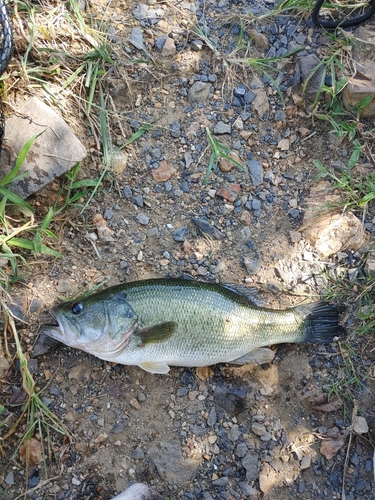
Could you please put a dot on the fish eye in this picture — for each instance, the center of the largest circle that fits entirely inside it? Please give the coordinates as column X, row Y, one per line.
column 77, row 308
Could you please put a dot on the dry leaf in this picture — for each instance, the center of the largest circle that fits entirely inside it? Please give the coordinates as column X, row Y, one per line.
column 31, row 452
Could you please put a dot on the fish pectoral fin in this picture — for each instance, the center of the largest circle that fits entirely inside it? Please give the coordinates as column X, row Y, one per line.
column 258, row 357
column 155, row 367
column 156, row 333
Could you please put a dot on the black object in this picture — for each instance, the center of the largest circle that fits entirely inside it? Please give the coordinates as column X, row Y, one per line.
column 342, row 24
column 5, row 55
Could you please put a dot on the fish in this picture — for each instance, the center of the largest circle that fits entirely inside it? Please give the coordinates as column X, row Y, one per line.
column 162, row 322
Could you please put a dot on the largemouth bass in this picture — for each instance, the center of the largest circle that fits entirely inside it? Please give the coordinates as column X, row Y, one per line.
column 159, row 323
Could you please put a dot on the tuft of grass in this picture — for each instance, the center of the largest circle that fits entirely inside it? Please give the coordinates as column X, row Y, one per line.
column 219, row 151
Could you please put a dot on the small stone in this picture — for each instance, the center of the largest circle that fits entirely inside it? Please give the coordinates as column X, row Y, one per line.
column 250, row 463
column 234, row 433
column 221, row 128
column 284, row 144
column 256, row 172
column 246, row 218
column 229, row 191
column 118, row 428
column 163, row 172
column 226, row 165
column 198, row 92
column 138, row 200
column 136, row 39
column 305, row 462
column 258, row 429
column 135, row 404
column 9, row 478
column 180, row 234
column 138, row 454
column 169, row 48
column 212, row 417
column 175, row 129
column 207, row 228
column 259, row 39
column 196, row 45
column 143, row 219
column 159, row 43
column 360, row 425
column 204, row 372
column 252, row 265
column 101, row 438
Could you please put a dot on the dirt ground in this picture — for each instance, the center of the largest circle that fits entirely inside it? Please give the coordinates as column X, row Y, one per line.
column 279, row 431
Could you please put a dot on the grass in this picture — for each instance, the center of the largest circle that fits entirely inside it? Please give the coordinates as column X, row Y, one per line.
column 67, row 79
column 218, row 151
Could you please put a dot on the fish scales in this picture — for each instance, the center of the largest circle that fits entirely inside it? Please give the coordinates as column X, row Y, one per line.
column 161, row 322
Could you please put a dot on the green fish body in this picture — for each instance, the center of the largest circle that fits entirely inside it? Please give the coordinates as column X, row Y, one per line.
column 159, row 323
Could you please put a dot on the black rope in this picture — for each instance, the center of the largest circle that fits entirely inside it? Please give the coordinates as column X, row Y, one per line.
column 342, row 24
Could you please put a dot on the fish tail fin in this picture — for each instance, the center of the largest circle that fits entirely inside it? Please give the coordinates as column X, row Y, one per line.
column 321, row 321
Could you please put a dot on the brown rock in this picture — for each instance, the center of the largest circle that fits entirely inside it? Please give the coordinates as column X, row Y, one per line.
column 169, row 48
column 31, row 452
column 332, row 231
column 246, row 218
column 259, row 39
column 204, row 372
column 226, row 165
column 360, row 87
column 329, row 447
column 229, row 191
column 163, row 172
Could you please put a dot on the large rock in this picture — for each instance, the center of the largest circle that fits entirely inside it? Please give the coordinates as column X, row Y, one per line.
column 53, row 153
column 170, row 463
column 331, row 231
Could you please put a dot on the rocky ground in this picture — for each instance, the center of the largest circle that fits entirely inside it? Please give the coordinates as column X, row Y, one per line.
column 296, row 428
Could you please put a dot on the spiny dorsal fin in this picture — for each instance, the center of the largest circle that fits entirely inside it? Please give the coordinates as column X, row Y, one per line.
column 156, row 333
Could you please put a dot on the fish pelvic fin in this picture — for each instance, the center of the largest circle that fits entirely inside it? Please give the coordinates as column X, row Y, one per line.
column 155, row 367
column 258, row 357
column 321, row 322
column 156, row 333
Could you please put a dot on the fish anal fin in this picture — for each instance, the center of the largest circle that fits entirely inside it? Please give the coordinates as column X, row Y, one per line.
column 155, row 367
column 156, row 333
column 257, row 357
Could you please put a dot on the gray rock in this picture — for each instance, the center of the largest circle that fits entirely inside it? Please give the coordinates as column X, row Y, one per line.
column 196, row 45
column 9, row 479
column 256, row 172
column 180, row 234
column 118, row 428
column 246, row 489
column 252, row 265
column 170, row 463
column 241, row 449
column 222, row 481
column 108, row 214
column 211, row 420
column 136, row 39
column 198, row 92
column 138, row 200
column 159, row 43
column 138, row 491
column 311, row 74
column 250, row 463
column 138, row 454
column 128, row 193
column 140, row 12
column 53, row 153
column 222, row 128
column 233, row 433
column 175, row 129
column 206, row 228
column 143, row 219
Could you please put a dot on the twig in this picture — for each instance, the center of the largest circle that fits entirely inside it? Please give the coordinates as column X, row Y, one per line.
column 354, row 414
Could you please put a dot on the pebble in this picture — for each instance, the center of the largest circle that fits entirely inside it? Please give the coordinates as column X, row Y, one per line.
column 136, row 39
column 256, row 172
column 221, row 128
column 143, row 219
column 180, row 234
column 198, row 92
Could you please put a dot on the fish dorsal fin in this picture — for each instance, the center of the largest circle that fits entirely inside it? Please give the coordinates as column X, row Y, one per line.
column 253, row 295
column 155, row 367
column 156, row 333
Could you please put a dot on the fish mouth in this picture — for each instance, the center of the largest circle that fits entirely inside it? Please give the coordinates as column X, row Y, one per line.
column 64, row 331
